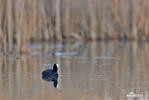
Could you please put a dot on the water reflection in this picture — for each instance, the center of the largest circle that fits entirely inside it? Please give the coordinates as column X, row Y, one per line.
column 89, row 71
column 52, row 79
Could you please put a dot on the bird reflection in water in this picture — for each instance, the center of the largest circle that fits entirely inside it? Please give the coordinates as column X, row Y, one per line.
column 53, row 79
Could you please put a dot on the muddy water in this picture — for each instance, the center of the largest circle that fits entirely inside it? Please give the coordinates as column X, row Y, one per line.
column 88, row 71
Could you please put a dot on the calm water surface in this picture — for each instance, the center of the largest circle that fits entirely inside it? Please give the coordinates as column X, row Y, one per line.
column 88, row 71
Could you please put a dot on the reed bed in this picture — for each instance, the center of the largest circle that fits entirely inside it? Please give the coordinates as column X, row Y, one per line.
column 22, row 21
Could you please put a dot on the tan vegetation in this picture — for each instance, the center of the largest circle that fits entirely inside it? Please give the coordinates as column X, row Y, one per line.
column 22, row 21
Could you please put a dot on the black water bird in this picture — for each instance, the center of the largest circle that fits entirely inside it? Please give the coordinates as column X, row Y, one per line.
column 51, row 75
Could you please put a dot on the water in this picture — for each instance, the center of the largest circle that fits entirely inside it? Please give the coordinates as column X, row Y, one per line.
column 88, row 71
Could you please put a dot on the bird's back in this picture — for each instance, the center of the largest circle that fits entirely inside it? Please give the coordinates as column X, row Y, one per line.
column 48, row 72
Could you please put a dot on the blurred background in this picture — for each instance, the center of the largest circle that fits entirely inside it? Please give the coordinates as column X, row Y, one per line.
column 22, row 21
column 101, row 47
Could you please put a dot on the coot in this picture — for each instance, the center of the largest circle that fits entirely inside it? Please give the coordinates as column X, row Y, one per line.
column 51, row 72
column 51, row 75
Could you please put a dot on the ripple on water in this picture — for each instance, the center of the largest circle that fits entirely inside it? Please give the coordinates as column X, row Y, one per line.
column 105, row 58
column 35, row 53
column 16, row 58
column 48, row 64
column 65, row 53
column 57, row 46
column 34, row 46
column 80, row 57
column 66, row 57
column 9, row 74
column 106, row 64
column 8, row 53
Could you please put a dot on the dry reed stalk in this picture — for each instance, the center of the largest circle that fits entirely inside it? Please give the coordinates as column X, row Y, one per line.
column 3, row 26
column 57, row 19
column 1, row 14
column 93, row 30
column 31, row 18
column 23, row 20
column 65, row 13
column 41, row 21
column 10, row 24
column 19, row 24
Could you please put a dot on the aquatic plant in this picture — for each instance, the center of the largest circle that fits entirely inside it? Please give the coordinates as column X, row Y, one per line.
column 22, row 21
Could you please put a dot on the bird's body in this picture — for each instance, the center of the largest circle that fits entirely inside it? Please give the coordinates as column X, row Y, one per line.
column 51, row 72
